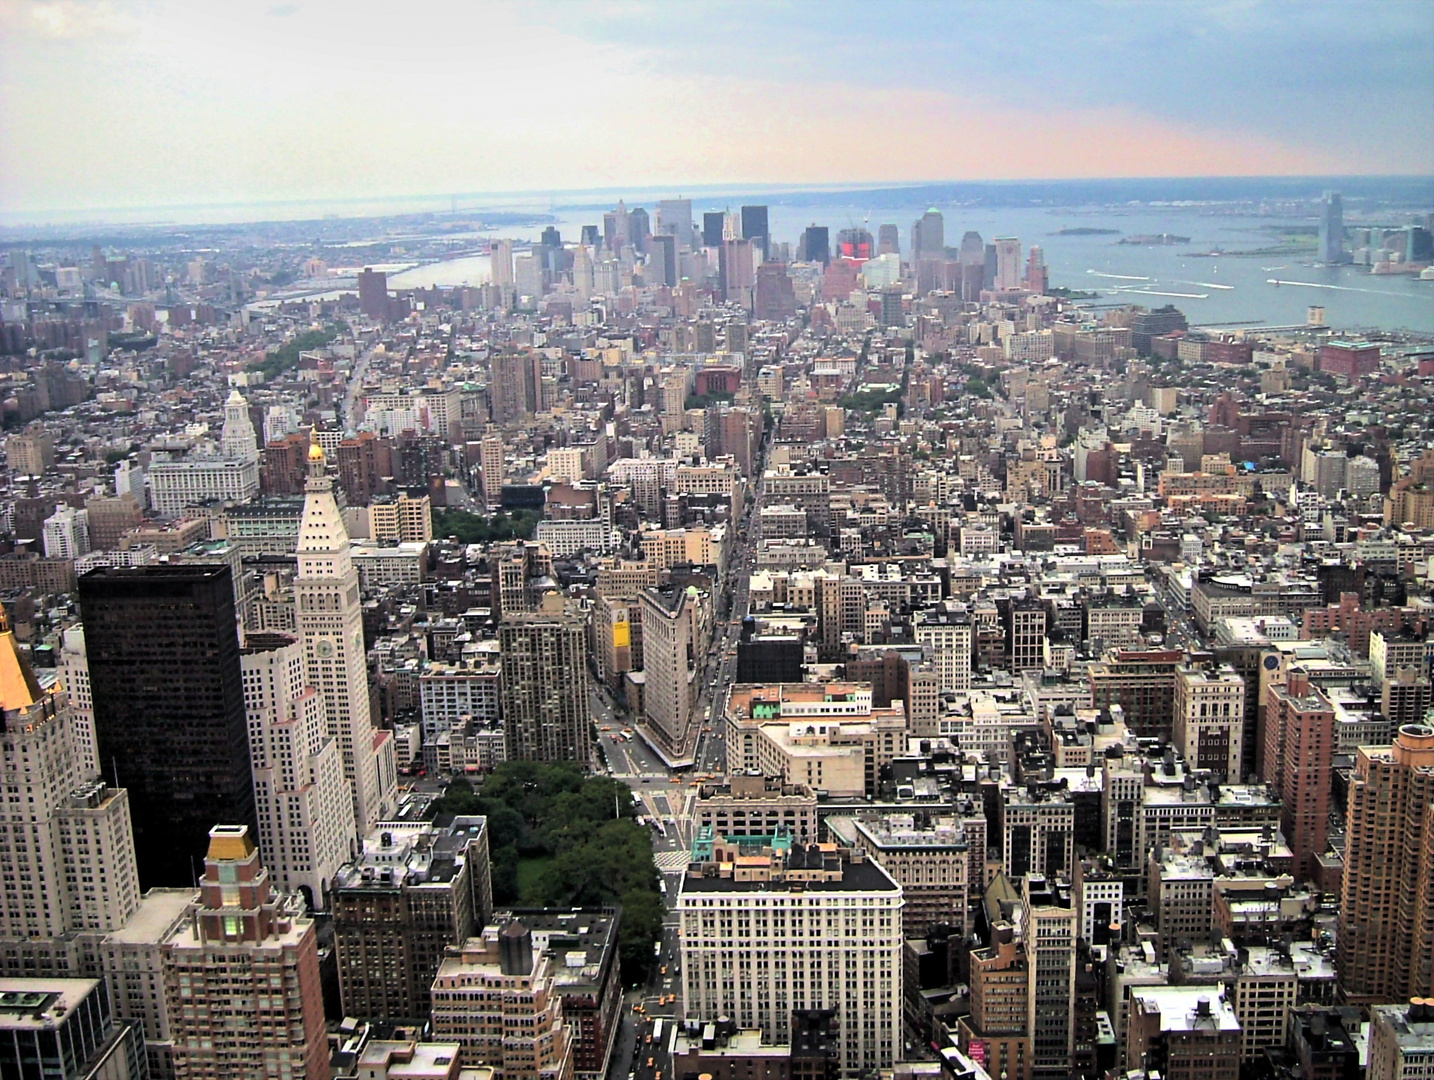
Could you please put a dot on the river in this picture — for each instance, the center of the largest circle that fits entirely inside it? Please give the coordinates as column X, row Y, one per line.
column 1211, row 291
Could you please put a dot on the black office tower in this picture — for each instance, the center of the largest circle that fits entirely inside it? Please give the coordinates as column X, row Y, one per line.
column 639, row 228
column 712, row 223
column 754, row 228
column 816, row 245
column 163, row 651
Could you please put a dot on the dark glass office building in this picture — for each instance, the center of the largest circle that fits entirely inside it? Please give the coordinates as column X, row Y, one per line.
column 65, row 1029
column 163, row 650
column 754, row 228
column 712, row 223
column 816, row 245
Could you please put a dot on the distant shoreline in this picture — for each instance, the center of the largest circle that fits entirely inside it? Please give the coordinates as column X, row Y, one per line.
column 1150, row 193
column 1154, row 240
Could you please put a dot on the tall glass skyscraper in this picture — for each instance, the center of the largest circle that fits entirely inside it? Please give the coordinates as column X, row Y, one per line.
column 163, row 649
column 1331, row 228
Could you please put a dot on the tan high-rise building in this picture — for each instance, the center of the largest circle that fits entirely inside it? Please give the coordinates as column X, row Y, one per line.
column 66, row 844
column 496, row 997
column 110, row 519
column 522, row 576
column 490, row 460
column 241, row 975
column 404, row 518
column 1037, row 831
column 330, row 625
column 177, row 482
column 1142, row 683
column 818, row 927
column 923, row 699
column 1026, row 638
column 1000, row 1007
column 1051, row 924
column 1008, row 262
column 1191, row 1030
column 73, row 669
column 236, row 441
column 501, row 260
column 1386, row 914
column 515, row 385
column 1399, row 667
column 950, row 637
column 615, row 628
column 1209, row 721
column 673, row 626
column 929, row 860
column 31, row 453
column 416, row 889
column 546, row 713
column 305, row 814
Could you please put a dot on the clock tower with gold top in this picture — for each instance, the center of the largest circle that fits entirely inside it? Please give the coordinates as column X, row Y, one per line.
column 330, row 624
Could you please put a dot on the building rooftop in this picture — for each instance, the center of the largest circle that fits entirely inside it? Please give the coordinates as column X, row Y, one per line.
column 904, row 832
column 1303, row 961
column 1412, row 1024
column 1187, row 1008
column 744, row 1043
column 411, row 854
column 409, row 1059
column 1246, row 795
column 581, row 942
column 158, row 914
column 35, row 1004
column 856, row 875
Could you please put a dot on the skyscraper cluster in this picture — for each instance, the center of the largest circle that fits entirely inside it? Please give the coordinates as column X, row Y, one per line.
column 891, row 661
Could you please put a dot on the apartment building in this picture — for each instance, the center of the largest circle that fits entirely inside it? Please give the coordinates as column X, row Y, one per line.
column 769, row 930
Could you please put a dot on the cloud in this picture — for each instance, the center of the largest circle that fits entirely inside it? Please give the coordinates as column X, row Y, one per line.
column 203, row 102
column 61, row 20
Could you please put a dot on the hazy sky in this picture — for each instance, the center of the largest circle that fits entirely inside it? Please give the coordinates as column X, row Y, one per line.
column 132, row 103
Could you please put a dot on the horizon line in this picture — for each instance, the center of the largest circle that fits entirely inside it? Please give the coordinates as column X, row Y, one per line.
column 83, row 216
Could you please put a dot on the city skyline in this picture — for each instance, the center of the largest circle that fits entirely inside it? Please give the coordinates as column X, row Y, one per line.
column 537, row 542
column 308, row 101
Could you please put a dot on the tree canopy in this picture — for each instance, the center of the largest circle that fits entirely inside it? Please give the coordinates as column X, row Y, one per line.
column 280, row 360
column 870, row 401
column 472, row 528
column 585, row 825
column 706, row 401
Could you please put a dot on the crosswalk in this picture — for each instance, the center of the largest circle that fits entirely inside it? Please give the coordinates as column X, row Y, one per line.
column 668, row 861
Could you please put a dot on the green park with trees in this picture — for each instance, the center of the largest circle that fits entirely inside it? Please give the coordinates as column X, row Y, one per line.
column 471, row 528
column 558, row 838
column 277, row 361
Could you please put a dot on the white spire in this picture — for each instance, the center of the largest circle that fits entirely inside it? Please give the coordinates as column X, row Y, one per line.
column 330, row 624
column 237, row 441
column 321, row 528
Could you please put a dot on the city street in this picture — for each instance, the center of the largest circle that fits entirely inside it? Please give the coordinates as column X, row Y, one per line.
column 668, row 796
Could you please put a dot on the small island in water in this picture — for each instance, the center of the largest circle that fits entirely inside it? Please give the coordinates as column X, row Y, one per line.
column 1086, row 230
column 1155, row 239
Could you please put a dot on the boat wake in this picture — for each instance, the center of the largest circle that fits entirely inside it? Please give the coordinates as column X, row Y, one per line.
column 1343, row 288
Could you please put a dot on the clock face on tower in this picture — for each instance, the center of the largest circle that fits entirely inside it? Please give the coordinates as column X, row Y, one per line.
column 324, row 649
